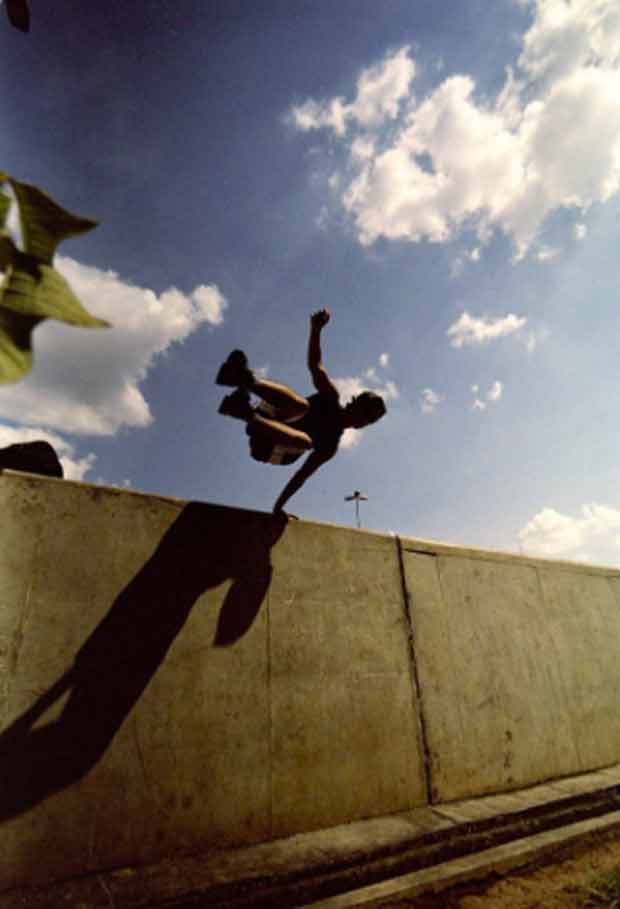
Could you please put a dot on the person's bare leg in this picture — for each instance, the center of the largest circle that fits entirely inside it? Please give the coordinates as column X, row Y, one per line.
column 286, row 401
column 281, row 433
column 236, row 372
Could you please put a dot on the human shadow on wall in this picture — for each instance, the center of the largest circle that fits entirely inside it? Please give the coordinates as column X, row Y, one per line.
column 204, row 547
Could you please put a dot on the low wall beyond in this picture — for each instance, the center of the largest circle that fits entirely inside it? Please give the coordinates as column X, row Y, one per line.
column 178, row 676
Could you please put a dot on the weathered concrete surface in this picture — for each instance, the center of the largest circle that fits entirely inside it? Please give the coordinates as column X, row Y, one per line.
column 346, row 863
column 518, row 667
column 178, row 676
column 343, row 715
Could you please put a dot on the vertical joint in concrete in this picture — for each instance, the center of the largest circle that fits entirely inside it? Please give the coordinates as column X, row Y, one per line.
column 415, row 679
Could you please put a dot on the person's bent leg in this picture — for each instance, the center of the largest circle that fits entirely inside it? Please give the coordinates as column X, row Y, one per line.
column 287, row 403
column 280, row 433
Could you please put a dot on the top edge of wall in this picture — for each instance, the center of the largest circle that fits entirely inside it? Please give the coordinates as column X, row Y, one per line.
column 414, row 545
column 436, row 548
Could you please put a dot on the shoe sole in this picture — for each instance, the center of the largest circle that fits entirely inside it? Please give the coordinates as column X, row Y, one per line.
column 228, row 366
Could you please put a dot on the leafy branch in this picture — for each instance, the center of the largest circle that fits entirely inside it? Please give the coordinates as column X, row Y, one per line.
column 32, row 289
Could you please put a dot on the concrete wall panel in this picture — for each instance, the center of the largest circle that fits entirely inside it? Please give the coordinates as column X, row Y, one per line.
column 583, row 616
column 344, row 725
column 129, row 735
column 517, row 672
column 490, row 695
column 180, row 675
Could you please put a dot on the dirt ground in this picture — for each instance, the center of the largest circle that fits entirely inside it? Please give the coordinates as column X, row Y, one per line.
column 550, row 886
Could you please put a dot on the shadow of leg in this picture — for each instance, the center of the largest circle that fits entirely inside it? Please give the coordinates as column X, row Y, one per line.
column 241, row 606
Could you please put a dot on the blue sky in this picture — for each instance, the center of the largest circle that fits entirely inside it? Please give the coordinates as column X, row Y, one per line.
column 443, row 177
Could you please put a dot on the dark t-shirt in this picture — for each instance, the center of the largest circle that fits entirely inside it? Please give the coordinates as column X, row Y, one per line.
column 323, row 421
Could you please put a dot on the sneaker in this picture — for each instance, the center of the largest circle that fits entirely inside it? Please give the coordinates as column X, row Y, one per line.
column 235, row 371
column 237, row 405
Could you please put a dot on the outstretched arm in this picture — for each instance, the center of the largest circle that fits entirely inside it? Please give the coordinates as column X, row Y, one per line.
column 310, row 465
column 322, row 382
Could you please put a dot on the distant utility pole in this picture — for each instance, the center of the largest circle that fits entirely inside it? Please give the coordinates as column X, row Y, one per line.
column 357, row 497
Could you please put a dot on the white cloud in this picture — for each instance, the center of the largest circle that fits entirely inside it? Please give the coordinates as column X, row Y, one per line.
column 429, row 400
column 593, row 536
column 469, row 330
column 389, row 391
column 458, row 160
column 88, row 382
column 565, row 36
column 209, row 304
column 74, row 468
column 580, row 231
column 547, row 253
column 350, row 438
column 380, row 90
column 493, row 395
column 458, row 264
column 362, row 149
column 350, row 386
column 314, row 115
column 371, row 373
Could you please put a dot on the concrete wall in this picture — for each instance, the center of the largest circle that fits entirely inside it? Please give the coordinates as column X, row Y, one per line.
column 518, row 667
column 178, row 675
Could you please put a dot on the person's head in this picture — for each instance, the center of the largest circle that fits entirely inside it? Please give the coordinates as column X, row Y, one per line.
column 364, row 409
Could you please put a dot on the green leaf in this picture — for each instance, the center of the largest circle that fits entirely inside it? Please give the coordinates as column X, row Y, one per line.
column 15, row 345
column 44, row 223
column 39, row 291
column 32, row 290
column 8, row 250
column 5, row 204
